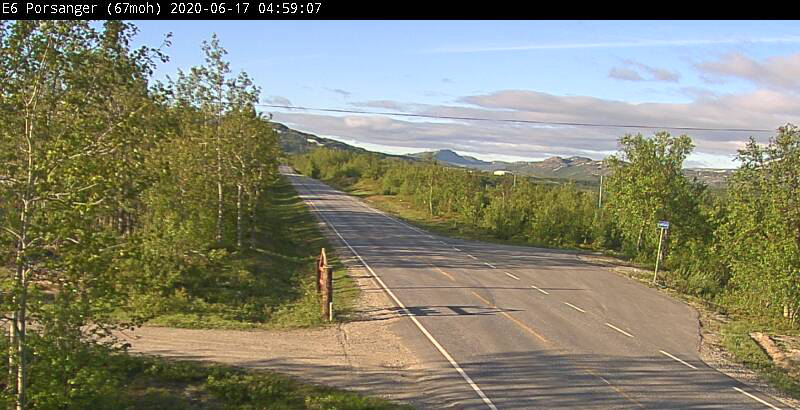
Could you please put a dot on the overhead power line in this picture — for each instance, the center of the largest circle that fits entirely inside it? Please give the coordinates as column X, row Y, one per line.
column 509, row 120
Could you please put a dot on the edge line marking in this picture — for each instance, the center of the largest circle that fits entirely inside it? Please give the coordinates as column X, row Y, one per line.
column 756, row 398
column 422, row 328
column 619, row 330
column 678, row 359
column 574, row 307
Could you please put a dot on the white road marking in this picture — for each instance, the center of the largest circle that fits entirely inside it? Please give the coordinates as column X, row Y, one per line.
column 457, row 250
column 443, row 242
column 472, row 257
column 490, row 265
column 511, row 275
column 422, row 328
column 678, row 359
column 574, row 307
column 619, row 330
column 756, row 398
column 540, row 290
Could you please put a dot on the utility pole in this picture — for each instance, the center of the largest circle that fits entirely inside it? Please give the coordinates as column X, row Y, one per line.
column 600, row 200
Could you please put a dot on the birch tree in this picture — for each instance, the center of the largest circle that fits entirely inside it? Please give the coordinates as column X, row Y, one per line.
column 70, row 96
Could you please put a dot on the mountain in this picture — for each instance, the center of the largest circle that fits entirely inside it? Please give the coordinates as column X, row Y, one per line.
column 451, row 157
column 298, row 142
column 577, row 168
column 574, row 168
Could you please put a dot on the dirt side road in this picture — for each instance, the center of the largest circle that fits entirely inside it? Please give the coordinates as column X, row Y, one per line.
column 364, row 355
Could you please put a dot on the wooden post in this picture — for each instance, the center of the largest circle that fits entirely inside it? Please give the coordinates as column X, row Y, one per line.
column 327, row 293
column 325, row 285
column 322, row 262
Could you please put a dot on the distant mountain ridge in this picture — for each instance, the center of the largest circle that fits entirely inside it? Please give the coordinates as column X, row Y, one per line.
column 573, row 168
column 451, row 157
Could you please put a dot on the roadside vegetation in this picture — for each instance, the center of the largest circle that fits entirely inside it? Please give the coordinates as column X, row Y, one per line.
column 127, row 201
column 736, row 251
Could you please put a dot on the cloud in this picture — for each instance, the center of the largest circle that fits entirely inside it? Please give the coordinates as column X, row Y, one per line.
column 277, row 100
column 632, row 73
column 780, row 72
column 385, row 104
column 615, row 44
column 762, row 109
column 339, row 91
column 622, row 73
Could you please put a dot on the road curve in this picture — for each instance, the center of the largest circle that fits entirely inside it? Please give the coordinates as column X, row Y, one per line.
column 527, row 328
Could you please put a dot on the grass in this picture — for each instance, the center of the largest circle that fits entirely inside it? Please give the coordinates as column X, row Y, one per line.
column 736, row 339
column 269, row 287
column 154, row 383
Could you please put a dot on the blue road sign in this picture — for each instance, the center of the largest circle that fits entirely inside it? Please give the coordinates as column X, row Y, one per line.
column 663, row 224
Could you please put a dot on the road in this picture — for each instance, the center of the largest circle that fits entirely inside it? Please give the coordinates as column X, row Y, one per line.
column 526, row 328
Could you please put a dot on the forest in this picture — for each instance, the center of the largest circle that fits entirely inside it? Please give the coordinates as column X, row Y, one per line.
column 126, row 199
column 738, row 250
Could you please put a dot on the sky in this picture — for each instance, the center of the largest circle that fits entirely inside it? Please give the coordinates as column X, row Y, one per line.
column 654, row 74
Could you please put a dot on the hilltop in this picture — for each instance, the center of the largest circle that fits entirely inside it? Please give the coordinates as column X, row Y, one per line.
column 574, row 168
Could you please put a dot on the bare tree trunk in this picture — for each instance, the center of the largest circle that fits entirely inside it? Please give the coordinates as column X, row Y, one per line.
column 219, row 165
column 252, row 200
column 239, row 216
column 639, row 240
column 22, row 270
column 219, row 192
column 12, row 343
column 22, row 365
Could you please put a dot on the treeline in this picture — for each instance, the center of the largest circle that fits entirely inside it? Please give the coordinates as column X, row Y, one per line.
column 739, row 249
column 114, row 193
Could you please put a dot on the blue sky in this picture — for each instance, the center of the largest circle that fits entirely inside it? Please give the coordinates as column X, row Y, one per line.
column 710, row 74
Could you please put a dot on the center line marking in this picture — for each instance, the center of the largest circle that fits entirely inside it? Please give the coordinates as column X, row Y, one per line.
column 444, row 273
column 524, row 326
column 574, row 307
column 619, row 330
column 755, row 398
column 490, row 265
column 472, row 257
column 419, row 325
column 483, row 300
column 513, row 319
column 678, row 359
column 456, row 249
column 511, row 275
column 540, row 290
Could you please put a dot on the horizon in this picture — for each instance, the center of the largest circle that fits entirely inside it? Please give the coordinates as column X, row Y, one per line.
column 411, row 152
column 691, row 74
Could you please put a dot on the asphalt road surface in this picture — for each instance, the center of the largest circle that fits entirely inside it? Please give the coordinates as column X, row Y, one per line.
column 526, row 328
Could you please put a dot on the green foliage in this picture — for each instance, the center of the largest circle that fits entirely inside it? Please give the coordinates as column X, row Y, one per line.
column 760, row 235
column 646, row 185
column 522, row 211
column 107, row 204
